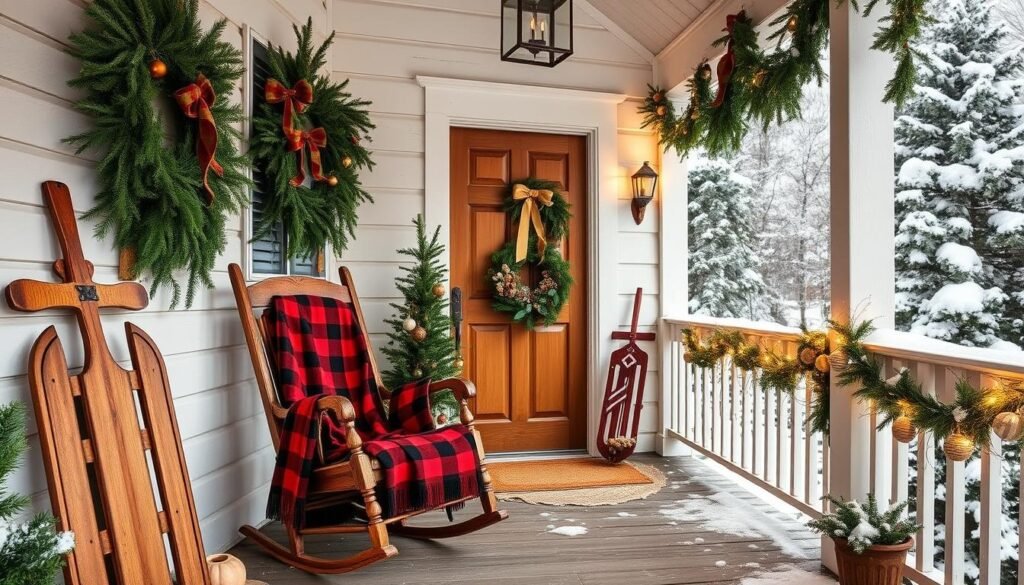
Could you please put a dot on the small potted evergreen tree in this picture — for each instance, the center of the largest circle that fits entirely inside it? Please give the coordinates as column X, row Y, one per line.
column 871, row 545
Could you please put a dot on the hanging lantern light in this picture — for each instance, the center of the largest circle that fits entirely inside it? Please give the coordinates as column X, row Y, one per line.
column 536, row 32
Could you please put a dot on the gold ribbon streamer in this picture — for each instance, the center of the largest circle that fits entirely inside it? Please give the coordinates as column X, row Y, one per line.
column 532, row 199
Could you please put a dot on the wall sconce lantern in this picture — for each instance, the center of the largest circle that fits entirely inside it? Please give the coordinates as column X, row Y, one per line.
column 645, row 181
column 536, row 32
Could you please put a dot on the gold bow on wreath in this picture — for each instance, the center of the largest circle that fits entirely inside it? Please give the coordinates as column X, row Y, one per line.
column 531, row 199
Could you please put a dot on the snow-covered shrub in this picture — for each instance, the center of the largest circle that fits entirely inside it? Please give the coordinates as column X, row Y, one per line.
column 864, row 525
column 31, row 551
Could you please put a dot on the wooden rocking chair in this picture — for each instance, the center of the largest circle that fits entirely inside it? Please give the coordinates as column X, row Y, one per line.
column 355, row 479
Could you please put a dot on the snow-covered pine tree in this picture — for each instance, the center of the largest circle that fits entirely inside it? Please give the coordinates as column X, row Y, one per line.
column 960, row 218
column 960, row 184
column 725, row 280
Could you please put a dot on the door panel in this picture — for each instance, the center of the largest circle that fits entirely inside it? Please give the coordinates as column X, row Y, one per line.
column 531, row 386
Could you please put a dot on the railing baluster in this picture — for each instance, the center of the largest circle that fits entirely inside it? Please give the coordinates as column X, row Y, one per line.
column 882, row 443
column 735, row 426
column 796, row 438
column 900, row 462
column 953, row 549
column 771, row 445
column 925, row 497
column 810, row 447
column 757, row 445
column 991, row 502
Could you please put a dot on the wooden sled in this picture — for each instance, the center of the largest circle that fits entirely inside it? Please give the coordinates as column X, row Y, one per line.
column 93, row 445
column 354, row 480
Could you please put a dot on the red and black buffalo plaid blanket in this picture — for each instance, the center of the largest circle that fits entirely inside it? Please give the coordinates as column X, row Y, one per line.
column 318, row 348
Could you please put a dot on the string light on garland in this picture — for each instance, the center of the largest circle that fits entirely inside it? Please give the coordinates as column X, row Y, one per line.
column 774, row 79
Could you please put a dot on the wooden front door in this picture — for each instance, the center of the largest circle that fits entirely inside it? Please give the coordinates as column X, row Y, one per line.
column 531, row 385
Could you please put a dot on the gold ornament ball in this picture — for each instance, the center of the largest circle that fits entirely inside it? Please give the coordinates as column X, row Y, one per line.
column 695, row 114
column 1008, row 426
column 442, row 418
column 346, row 161
column 409, row 324
column 459, row 363
column 705, row 72
column 758, row 79
column 903, row 429
column 958, row 447
column 657, row 96
column 157, row 69
column 791, row 24
column 808, row 355
column 661, row 110
column 417, row 373
column 438, row 290
column 332, row 181
column 822, row 364
column 419, row 334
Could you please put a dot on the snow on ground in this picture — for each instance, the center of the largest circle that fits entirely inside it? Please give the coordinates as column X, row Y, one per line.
column 788, row 575
column 726, row 514
column 569, row 530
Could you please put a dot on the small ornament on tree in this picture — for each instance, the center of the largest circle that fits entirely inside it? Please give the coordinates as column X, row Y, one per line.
column 332, row 180
column 662, row 110
column 822, row 364
column 808, row 355
column 442, row 419
column 438, row 290
column 409, row 324
column 418, row 334
column 958, row 447
column 459, row 363
column 346, row 161
column 1008, row 426
column 157, row 69
column 657, row 97
column 792, row 23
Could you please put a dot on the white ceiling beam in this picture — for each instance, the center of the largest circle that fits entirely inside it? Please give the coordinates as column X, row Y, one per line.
column 616, row 30
column 675, row 63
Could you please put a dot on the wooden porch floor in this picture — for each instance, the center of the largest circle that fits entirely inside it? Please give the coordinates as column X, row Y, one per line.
column 679, row 535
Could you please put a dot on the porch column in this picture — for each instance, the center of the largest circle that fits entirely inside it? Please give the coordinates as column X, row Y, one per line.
column 862, row 236
column 674, row 286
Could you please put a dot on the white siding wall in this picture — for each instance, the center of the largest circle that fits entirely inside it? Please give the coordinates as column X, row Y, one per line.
column 381, row 45
column 222, row 424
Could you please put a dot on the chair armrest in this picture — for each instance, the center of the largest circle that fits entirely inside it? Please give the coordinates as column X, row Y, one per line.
column 338, row 407
column 462, row 388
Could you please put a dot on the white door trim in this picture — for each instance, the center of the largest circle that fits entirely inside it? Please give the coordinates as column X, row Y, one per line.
column 478, row 104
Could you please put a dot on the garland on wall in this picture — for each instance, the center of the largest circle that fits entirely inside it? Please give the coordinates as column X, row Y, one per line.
column 164, row 193
column 543, row 217
column 307, row 140
column 899, row 400
column 766, row 86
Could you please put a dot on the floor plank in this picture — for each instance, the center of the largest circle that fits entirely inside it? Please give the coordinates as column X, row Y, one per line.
column 674, row 537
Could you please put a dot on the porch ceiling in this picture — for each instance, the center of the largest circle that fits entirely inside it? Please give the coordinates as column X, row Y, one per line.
column 653, row 23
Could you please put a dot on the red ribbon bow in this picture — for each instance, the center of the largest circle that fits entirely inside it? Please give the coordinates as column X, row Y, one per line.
column 315, row 139
column 195, row 100
column 295, row 99
column 728, row 61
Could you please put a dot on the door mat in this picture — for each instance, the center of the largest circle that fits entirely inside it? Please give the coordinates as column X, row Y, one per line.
column 574, row 482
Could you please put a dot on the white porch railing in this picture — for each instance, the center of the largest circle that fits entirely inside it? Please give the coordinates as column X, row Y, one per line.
column 724, row 414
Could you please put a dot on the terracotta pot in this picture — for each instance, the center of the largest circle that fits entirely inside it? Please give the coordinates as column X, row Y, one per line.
column 225, row 570
column 878, row 565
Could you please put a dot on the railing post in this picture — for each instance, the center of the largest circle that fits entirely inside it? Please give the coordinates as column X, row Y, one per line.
column 673, row 291
column 862, row 233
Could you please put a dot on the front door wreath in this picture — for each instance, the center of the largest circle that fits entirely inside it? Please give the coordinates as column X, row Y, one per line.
column 543, row 217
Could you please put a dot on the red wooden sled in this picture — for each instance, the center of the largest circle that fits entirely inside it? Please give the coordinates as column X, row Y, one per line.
column 624, row 392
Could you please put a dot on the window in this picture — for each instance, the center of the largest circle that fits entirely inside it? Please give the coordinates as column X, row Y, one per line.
column 267, row 254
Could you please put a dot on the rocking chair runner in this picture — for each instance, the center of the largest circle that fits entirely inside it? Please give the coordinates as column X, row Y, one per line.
column 355, row 479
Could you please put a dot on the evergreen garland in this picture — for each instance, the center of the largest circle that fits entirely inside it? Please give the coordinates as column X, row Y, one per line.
column 31, row 552
column 434, row 356
column 529, row 304
column 776, row 371
column 151, row 191
column 314, row 213
column 766, row 87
